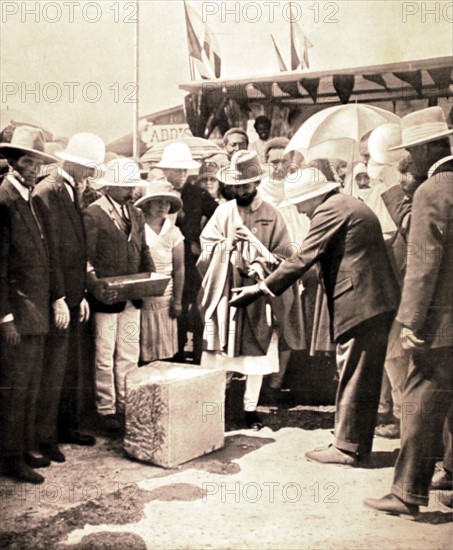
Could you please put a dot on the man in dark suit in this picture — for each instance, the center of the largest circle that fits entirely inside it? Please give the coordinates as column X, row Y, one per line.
column 198, row 206
column 426, row 313
column 56, row 198
column 116, row 246
column 345, row 240
column 24, row 304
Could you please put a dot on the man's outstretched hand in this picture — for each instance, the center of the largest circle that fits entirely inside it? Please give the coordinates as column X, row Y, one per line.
column 245, row 295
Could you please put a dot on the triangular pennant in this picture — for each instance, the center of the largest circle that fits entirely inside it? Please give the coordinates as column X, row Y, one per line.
column 281, row 63
column 311, row 85
column 442, row 78
column 343, row 84
column 376, row 78
column 414, row 78
column 290, row 88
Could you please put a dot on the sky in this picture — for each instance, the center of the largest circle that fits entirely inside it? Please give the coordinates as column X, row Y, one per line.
column 70, row 64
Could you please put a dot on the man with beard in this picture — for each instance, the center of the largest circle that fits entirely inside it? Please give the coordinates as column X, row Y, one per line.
column 116, row 245
column 198, row 206
column 240, row 244
column 24, row 304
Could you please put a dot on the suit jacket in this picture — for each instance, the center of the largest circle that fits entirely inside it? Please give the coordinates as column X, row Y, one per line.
column 345, row 238
column 197, row 203
column 63, row 228
column 24, row 265
column 111, row 252
column 427, row 301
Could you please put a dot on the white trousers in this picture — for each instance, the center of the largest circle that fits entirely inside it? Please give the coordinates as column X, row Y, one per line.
column 117, row 353
column 252, row 390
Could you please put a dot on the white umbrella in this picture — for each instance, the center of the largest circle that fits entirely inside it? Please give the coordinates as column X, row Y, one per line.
column 336, row 124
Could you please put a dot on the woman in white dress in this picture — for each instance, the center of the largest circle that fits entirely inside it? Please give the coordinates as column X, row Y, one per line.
column 159, row 330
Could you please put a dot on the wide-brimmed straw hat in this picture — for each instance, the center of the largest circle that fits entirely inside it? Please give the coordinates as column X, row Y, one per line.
column 86, row 149
column 160, row 189
column 380, row 142
column 27, row 140
column 178, row 156
column 422, row 127
column 245, row 167
column 306, row 184
column 121, row 172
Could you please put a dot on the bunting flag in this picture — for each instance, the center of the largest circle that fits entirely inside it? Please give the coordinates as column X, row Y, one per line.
column 311, row 85
column 343, row 84
column 299, row 46
column 413, row 78
column 281, row 63
column 441, row 78
column 376, row 78
column 197, row 55
column 212, row 50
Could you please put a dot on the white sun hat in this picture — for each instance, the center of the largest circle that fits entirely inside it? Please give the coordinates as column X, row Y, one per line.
column 178, row 156
column 306, row 184
column 85, row 148
column 122, row 172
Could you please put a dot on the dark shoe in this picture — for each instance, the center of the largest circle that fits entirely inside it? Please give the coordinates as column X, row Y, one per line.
column 20, row 470
column 35, row 460
column 111, row 424
column 389, row 431
column 391, row 504
column 332, row 455
column 253, row 421
column 442, row 480
column 52, row 452
column 446, row 498
column 77, row 438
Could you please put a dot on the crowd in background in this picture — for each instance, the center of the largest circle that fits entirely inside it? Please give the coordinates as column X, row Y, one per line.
column 240, row 235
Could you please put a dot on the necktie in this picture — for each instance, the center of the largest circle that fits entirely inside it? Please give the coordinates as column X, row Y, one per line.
column 126, row 220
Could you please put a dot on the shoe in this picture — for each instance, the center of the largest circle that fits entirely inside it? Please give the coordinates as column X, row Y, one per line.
column 389, row 431
column 36, row 460
column 391, row 504
column 253, row 421
column 19, row 469
column 52, row 452
column 442, row 480
column 446, row 499
column 332, row 455
column 110, row 423
column 77, row 438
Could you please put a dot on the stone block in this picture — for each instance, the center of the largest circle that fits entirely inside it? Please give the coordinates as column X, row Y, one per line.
column 174, row 413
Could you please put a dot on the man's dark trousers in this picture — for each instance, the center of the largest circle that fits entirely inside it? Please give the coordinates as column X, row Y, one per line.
column 427, row 399
column 360, row 360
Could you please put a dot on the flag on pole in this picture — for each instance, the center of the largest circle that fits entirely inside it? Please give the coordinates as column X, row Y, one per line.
column 195, row 50
column 212, row 50
column 299, row 46
column 280, row 60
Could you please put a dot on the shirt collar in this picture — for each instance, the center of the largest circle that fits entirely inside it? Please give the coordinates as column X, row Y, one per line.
column 436, row 165
column 66, row 176
column 23, row 191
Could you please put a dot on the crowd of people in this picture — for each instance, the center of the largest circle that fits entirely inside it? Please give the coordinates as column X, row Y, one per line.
column 241, row 244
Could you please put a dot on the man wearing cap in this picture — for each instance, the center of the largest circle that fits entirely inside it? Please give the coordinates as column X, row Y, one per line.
column 24, row 304
column 116, row 246
column 56, row 198
column 425, row 312
column 197, row 205
column 345, row 240
column 240, row 243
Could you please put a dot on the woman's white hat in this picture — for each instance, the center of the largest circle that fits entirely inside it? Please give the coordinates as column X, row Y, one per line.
column 380, row 142
column 160, row 189
column 422, row 127
column 306, row 184
column 122, row 172
column 86, row 149
column 178, row 156
column 245, row 167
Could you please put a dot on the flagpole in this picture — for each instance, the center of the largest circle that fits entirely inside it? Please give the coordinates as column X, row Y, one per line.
column 136, row 134
column 191, row 67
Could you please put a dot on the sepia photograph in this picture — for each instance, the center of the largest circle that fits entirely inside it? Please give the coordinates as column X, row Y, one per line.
column 226, row 274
